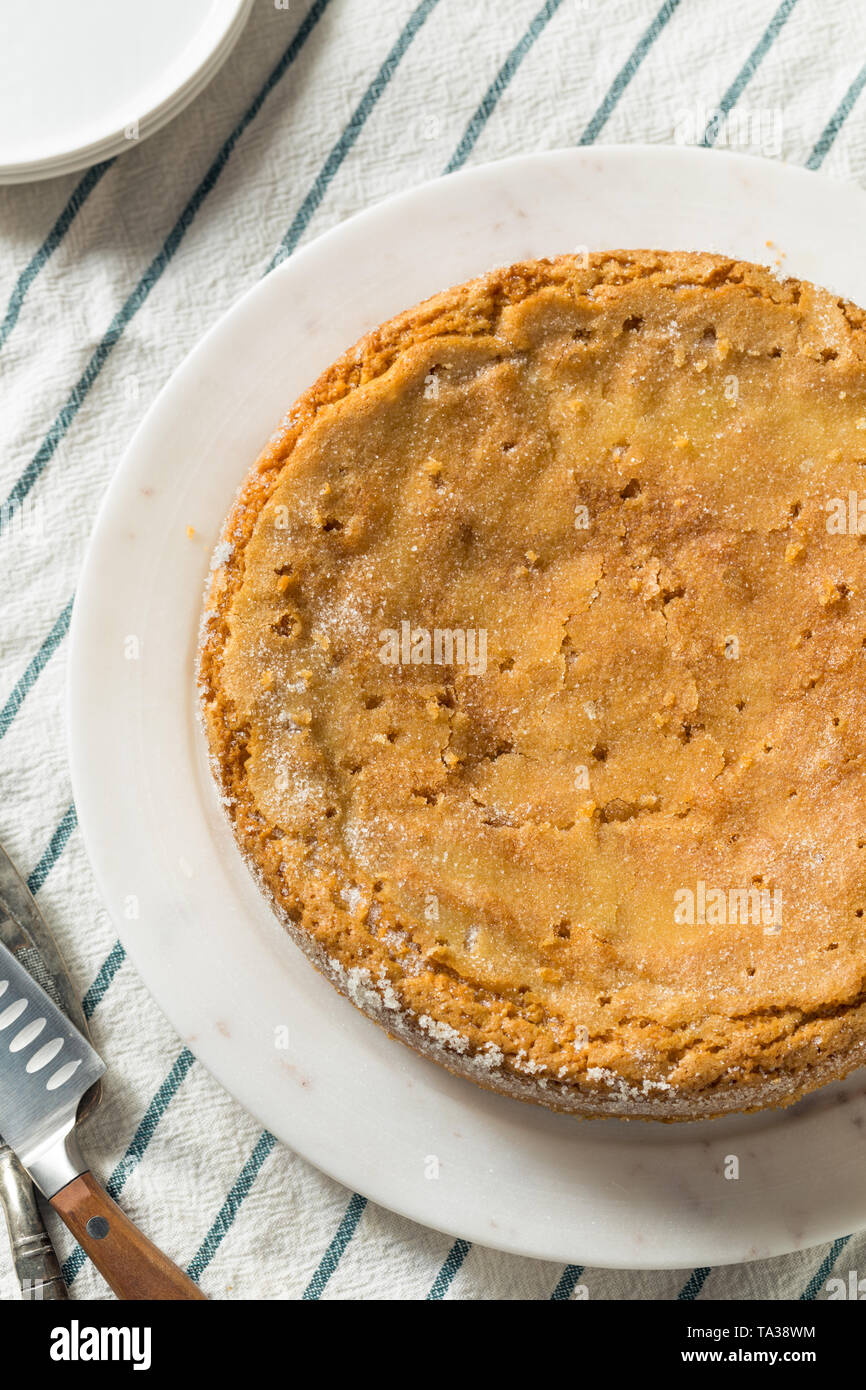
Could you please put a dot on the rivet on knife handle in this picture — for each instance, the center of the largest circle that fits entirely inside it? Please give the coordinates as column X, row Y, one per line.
column 133, row 1267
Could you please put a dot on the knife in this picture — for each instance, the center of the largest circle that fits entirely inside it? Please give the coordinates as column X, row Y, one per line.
column 24, row 930
column 46, row 1067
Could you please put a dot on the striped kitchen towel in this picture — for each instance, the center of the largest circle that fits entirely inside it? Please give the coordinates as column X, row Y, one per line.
column 107, row 279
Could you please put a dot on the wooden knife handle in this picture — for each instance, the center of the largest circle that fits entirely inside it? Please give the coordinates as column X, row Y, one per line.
column 132, row 1266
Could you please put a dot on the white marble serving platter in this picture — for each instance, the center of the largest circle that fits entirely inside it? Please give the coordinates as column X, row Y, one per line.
column 363, row 1108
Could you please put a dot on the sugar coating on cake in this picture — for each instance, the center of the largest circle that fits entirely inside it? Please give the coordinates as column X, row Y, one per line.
column 533, row 672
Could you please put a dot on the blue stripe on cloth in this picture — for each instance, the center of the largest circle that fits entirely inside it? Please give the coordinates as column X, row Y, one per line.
column 693, row 1285
column 350, row 134
column 498, row 85
column 836, row 121
column 748, row 70
column 55, row 847
column 627, row 72
column 104, row 976
column 35, row 669
column 153, row 274
column 336, row 1249
column 819, row 1278
column 78, row 197
column 567, row 1283
column 444, row 1279
column 231, row 1206
column 138, row 1145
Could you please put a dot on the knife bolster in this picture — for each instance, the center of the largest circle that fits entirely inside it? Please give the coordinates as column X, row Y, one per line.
column 57, row 1165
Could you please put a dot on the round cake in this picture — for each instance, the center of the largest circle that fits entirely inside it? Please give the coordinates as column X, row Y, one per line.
column 533, row 672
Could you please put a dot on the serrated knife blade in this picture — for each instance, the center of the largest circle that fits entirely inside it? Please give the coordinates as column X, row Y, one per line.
column 24, row 930
column 46, row 1066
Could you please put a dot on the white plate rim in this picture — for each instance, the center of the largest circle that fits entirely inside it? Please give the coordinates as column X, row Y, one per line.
column 564, row 1221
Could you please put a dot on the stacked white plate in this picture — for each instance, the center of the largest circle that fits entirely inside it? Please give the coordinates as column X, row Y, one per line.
column 81, row 82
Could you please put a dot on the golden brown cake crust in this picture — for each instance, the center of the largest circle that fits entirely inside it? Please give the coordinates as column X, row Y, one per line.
column 610, row 853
